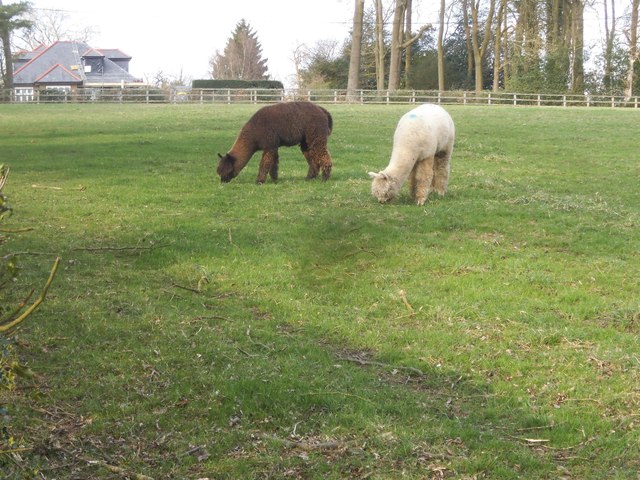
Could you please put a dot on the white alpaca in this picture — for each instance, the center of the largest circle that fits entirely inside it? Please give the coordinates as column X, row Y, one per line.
column 422, row 147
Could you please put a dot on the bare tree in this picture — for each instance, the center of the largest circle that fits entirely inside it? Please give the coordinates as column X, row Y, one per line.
column 356, row 48
column 51, row 25
column 300, row 56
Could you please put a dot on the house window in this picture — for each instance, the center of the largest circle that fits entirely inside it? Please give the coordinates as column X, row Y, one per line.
column 24, row 94
column 59, row 88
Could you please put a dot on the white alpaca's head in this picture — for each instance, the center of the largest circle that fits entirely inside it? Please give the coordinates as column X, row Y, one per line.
column 383, row 187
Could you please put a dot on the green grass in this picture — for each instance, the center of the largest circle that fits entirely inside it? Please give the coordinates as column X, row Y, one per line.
column 301, row 329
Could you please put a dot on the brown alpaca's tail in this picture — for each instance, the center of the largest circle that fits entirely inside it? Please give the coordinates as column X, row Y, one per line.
column 329, row 119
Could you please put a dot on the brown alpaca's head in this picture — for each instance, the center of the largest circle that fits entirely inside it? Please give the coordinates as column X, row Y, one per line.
column 226, row 168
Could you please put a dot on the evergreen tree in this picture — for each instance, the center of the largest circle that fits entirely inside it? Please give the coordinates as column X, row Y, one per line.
column 11, row 18
column 242, row 57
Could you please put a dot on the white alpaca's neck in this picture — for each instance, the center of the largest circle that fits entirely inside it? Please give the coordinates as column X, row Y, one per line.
column 400, row 165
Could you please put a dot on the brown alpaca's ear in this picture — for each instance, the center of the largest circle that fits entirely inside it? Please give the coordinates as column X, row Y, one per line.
column 220, row 156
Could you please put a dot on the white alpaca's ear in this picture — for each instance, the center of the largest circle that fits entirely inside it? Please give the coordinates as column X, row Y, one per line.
column 378, row 175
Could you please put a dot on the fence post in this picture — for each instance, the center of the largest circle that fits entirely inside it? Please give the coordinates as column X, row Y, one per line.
column 361, row 96
column 564, row 100
column 439, row 97
column 613, row 101
column 489, row 99
column 635, row 103
column 515, row 99
column 464, row 98
column 387, row 97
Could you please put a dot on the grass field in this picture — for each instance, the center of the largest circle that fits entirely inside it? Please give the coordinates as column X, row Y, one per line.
column 301, row 329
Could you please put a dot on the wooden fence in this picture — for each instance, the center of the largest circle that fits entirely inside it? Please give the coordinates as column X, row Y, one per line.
column 151, row 95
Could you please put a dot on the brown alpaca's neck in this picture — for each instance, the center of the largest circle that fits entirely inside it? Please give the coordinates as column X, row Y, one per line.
column 242, row 152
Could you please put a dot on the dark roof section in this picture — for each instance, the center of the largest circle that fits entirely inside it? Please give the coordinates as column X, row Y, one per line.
column 72, row 57
column 92, row 53
column 58, row 75
column 114, row 54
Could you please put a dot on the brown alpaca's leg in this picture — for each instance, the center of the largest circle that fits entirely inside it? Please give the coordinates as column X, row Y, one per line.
column 269, row 158
column 441, row 172
column 319, row 158
column 313, row 165
column 423, row 176
column 273, row 171
column 325, row 165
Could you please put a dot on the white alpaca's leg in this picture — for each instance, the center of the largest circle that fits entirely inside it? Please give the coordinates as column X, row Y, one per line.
column 441, row 172
column 412, row 181
column 422, row 177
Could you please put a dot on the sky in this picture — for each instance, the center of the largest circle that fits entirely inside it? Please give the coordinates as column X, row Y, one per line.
column 179, row 38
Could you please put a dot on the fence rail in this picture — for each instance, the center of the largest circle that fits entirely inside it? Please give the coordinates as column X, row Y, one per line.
column 227, row 96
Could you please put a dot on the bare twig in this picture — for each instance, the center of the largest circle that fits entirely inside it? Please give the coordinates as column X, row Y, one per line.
column 189, row 289
column 385, row 365
column 17, row 230
column 115, row 249
column 36, row 304
column 403, row 297
column 119, row 470
column 81, row 188
column 330, row 445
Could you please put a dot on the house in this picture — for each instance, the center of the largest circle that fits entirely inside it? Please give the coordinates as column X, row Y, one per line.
column 67, row 65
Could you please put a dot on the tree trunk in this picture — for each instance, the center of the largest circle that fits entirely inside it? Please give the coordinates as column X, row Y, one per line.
column 396, row 45
column 5, row 36
column 407, row 41
column 441, row 47
column 379, row 50
column 506, row 64
column 633, row 49
column 356, row 49
column 577, row 43
column 497, row 46
column 467, row 38
column 480, row 47
column 609, row 37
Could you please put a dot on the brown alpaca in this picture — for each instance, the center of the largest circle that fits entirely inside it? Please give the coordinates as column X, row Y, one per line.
column 288, row 124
